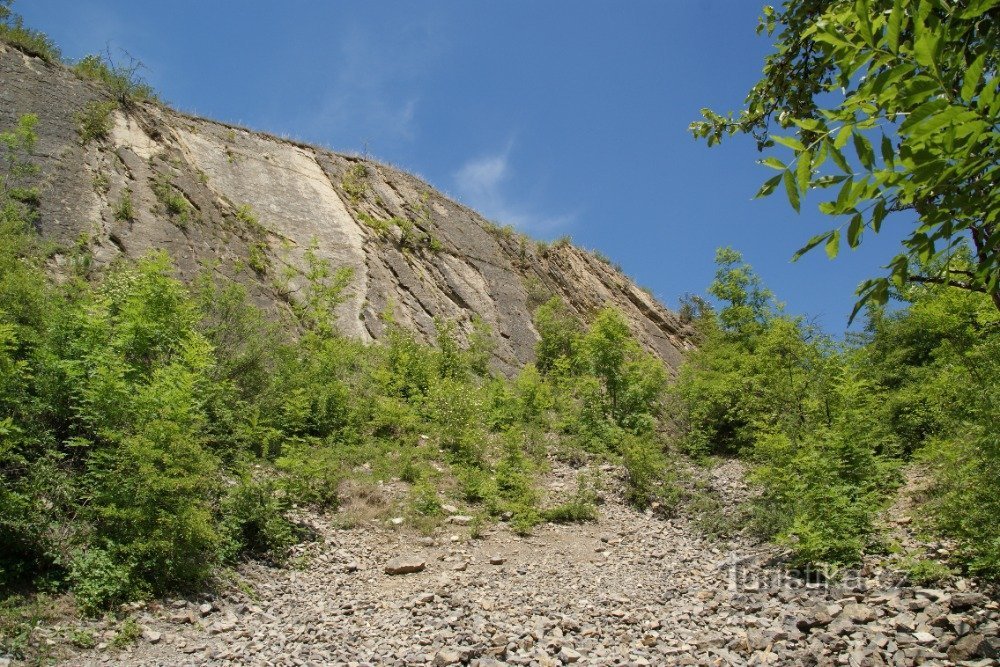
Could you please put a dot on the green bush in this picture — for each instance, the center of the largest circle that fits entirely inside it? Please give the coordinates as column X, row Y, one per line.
column 98, row 581
column 927, row 572
column 424, row 499
column 560, row 337
column 580, row 508
column 128, row 633
column 632, row 381
column 175, row 204
column 95, row 121
column 819, row 496
column 122, row 81
column 456, row 410
column 124, row 209
column 771, row 388
column 965, row 459
column 649, row 476
column 828, row 427
column 257, row 258
column 354, row 183
column 253, row 520
column 33, row 42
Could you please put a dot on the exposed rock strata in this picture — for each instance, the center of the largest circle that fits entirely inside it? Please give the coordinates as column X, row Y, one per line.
column 452, row 263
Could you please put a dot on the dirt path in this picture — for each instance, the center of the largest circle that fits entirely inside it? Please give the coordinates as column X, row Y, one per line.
column 631, row 589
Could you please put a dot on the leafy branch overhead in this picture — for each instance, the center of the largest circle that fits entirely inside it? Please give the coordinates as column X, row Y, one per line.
column 894, row 106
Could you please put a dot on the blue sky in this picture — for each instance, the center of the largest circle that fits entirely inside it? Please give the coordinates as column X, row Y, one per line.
column 559, row 117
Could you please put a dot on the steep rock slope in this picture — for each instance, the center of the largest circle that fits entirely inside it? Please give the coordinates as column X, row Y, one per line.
column 252, row 207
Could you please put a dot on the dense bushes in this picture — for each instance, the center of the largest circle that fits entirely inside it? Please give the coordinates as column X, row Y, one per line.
column 772, row 388
column 947, row 406
column 827, row 425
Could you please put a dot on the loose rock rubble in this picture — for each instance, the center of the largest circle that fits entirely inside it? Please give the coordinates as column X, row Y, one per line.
column 631, row 589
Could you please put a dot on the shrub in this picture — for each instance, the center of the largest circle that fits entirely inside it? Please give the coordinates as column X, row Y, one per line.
column 244, row 213
column 424, row 499
column 247, row 345
column 174, row 202
column 17, row 192
column 578, row 509
column 124, row 209
column 379, row 226
column 83, row 638
column 632, row 381
column 926, row 572
column 560, row 336
column 456, row 410
column 525, row 401
column 99, row 582
column 253, row 520
column 128, row 633
column 96, row 121
column 819, row 496
column 354, row 183
column 121, row 80
column 312, row 472
column 257, row 258
column 33, row 42
column 649, row 478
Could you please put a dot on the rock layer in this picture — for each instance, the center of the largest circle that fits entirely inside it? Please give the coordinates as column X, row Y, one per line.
column 412, row 251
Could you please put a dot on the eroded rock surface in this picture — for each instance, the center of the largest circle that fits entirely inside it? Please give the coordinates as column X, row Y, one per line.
column 412, row 251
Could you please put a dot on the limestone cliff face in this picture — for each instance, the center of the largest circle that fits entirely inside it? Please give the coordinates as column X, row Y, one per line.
column 253, row 205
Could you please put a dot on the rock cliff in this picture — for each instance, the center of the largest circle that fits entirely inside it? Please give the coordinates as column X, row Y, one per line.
column 251, row 206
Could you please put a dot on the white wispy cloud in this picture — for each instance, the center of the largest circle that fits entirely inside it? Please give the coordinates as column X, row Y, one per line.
column 372, row 94
column 481, row 182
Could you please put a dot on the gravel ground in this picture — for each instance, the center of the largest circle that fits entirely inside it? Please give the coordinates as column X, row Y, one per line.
column 630, row 589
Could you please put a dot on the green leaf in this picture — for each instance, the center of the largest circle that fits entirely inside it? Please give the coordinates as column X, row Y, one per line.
column 895, row 26
column 878, row 215
column 977, row 8
column 790, row 142
column 925, row 49
column 866, row 154
column 972, row 76
column 827, row 181
column 915, row 90
column 948, row 116
column 888, row 154
column 803, row 170
column 922, row 112
column 839, row 159
column 854, row 230
column 792, row 190
column 809, row 124
column 988, row 96
column 844, row 200
column 768, row 187
column 876, row 290
column 833, row 40
column 810, row 244
column 773, row 163
column 864, row 20
column 832, row 246
column 843, row 136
